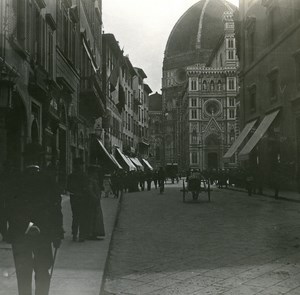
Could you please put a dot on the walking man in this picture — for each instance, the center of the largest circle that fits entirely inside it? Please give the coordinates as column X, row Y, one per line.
column 35, row 223
column 161, row 179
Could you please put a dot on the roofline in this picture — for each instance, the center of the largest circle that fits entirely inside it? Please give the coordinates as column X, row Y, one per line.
column 110, row 38
column 140, row 72
column 147, row 88
column 176, row 24
column 130, row 66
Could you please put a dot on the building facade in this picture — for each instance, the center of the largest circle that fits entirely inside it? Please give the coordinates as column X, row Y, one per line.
column 211, row 95
column 156, row 134
column 141, row 93
column 62, row 84
column 191, row 42
column 270, row 71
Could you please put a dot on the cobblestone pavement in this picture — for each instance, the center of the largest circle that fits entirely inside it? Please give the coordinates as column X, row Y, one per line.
column 235, row 245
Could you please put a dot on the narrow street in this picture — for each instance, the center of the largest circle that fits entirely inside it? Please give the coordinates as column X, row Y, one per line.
column 234, row 245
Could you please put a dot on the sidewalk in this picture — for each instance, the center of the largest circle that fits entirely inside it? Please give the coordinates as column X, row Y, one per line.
column 267, row 192
column 79, row 267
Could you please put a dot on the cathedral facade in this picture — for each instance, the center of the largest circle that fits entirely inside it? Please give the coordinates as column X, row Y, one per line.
column 200, row 87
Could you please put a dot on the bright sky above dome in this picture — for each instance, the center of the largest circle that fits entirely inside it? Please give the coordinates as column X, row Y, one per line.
column 142, row 28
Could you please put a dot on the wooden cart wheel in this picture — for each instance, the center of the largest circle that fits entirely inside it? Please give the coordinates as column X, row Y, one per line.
column 183, row 191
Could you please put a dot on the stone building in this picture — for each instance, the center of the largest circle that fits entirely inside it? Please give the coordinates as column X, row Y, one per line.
column 155, row 130
column 270, row 92
column 141, row 92
column 198, row 64
column 41, row 49
column 128, row 72
column 65, row 85
column 114, row 92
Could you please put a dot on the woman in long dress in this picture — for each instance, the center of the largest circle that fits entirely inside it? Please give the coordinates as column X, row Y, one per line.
column 96, row 224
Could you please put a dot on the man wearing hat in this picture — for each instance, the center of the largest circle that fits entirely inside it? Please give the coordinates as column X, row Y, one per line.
column 35, row 223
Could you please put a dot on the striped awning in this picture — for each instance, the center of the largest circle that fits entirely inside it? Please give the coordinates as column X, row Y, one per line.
column 258, row 134
column 239, row 140
column 125, row 160
column 137, row 163
column 147, row 164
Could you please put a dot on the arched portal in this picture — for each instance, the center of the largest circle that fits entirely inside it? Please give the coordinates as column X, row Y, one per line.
column 212, row 151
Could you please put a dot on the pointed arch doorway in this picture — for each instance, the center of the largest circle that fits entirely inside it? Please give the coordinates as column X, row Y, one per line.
column 212, row 151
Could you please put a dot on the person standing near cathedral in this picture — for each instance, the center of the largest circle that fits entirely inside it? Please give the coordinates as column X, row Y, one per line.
column 161, row 179
column 78, row 187
column 35, row 222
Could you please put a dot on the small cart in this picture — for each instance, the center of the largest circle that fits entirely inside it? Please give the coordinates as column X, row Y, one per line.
column 194, row 185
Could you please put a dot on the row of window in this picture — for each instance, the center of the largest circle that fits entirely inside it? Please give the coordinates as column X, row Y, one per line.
column 211, row 86
column 273, row 87
column 131, row 125
column 194, row 114
column 128, row 141
column 33, row 33
column 193, row 102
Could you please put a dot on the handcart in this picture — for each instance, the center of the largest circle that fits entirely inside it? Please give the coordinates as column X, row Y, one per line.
column 194, row 185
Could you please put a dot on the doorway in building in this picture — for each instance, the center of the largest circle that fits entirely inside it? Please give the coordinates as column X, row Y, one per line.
column 212, row 161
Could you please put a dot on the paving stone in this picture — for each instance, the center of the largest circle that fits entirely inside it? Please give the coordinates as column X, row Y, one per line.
column 233, row 245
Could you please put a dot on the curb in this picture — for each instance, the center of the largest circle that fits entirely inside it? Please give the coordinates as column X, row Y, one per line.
column 266, row 195
column 110, row 244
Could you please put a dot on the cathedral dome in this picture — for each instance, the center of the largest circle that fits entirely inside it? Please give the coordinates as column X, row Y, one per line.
column 197, row 32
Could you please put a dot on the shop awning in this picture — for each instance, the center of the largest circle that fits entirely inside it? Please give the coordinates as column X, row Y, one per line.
column 147, row 164
column 133, row 167
column 108, row 156
column 126, row 161
column 258, row 134
column 116, row 162
column 137, row 163
column 239, row 140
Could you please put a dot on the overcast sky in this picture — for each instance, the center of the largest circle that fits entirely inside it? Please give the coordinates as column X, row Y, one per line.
column 142, row 28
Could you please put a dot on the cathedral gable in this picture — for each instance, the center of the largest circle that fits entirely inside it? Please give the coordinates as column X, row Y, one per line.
column 212, row 127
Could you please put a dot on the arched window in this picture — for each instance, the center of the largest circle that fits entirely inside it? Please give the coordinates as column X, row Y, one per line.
column 34, row 132
column 194, row 136
column 204, row 85
column 212, row 85
column 74, row 134
column 219, row 85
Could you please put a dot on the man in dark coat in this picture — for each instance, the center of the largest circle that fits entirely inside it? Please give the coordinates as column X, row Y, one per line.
column 78, row 186
column 161, row 179
column 35, row 223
